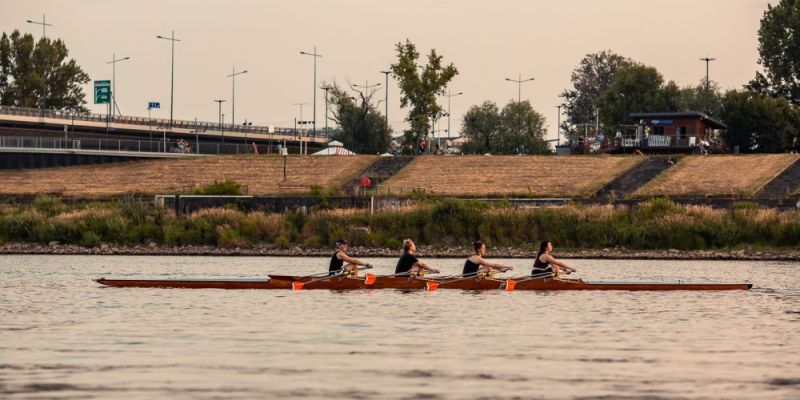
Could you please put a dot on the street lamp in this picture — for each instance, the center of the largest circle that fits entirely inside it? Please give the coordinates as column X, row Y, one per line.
column 519, row 83
column 366, row 87
column 113, row 62
column 314, row 86
column 44, row 25
column 172, row 76
column 326, row 89
column 387, row 97
column 450, row 96
column 221, row 128
column 233, row 95
column 708, row 88
column 558, row 126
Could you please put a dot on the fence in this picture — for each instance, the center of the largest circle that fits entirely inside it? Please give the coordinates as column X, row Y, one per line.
column 124, row 145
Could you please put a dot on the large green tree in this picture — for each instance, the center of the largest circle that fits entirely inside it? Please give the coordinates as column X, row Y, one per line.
column 636, row 88
column 25, row 66
column 779, row 51
column 419, row 86
column 757, row 122
column 362, row 128
column 589, row 80
column 516, row 129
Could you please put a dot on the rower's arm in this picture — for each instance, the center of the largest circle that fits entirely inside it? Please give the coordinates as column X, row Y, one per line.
column 489, row 264
column 351, row 260
column 550, row 259
column 426, row 267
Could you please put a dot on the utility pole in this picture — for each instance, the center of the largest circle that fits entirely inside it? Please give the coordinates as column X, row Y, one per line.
column 450, row 96
column 326, row 89
column 558, row 126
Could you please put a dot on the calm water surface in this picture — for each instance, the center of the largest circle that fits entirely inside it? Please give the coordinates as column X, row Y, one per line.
column 63, row 336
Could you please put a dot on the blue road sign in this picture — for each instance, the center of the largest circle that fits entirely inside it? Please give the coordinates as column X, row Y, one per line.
column 153, row 104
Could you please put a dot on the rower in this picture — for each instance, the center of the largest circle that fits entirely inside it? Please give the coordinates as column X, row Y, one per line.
column 476, row 264
column 409, row 263
column 340, row 257
column 545, row 263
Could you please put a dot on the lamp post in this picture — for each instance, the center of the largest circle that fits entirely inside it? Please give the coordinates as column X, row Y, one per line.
column 221, row 128
column 708, row 87
column 113, row 62
column 386, row 88
column 172, row 76
column 326, row 89
column 558, row 126
column 450, row 96
column 233, row 94
column 314, row 86
column 519, row 83
column 44, row 25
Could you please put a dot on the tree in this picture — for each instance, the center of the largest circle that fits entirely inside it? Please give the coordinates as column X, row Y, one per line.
column 482, row 127
column 590, row 79
column 698, row 98
column 779, row 52
column 636, row 88
column 517, row 129
column 521, row 129
column 419, row 91
column 758, row 123
column 25, row 66
column 362, row 128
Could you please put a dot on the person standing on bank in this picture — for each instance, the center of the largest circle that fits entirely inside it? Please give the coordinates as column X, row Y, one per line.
column 476, row 263
column 545, row 263
column 409, row 263
column 340, row 257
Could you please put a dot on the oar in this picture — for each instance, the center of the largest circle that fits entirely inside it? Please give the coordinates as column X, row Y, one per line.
column 431, row 285
column 368, row 279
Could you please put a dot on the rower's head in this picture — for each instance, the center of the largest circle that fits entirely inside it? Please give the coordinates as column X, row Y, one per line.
column 545, row 247
column 341, row 244
column 408, row 246
column 480, row 248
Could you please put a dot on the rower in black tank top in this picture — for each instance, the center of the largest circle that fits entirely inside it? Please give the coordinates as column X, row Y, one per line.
column 540, row 267
column 470, row 268
column 336, row 263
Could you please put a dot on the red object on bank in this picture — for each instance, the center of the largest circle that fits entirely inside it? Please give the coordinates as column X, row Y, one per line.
column 365, row 182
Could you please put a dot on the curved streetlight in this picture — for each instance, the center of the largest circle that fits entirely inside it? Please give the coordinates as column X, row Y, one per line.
column 450, row 96
column 233, row 95
column 314, row 85
column 386, row 88
column 172, row 78
column 113, row 62
column 44, row 25
column 519, row 83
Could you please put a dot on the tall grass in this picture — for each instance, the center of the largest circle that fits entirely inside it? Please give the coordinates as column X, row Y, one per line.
column 653, row 224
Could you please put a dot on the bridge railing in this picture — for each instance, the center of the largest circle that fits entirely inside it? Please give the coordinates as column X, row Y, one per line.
column 136, row 146
column 155, row 122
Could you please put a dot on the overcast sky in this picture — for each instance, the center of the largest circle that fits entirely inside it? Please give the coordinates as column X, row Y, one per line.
column 488, row 41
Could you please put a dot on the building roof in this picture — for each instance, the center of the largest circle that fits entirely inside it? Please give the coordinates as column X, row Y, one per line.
column 712, row 122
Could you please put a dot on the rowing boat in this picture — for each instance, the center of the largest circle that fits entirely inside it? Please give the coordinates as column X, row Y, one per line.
column 404, row 283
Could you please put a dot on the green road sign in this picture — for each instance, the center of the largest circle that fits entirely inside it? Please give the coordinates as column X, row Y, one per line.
column 102, row 92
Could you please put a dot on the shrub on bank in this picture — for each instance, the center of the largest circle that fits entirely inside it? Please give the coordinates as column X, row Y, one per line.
column 653, row 224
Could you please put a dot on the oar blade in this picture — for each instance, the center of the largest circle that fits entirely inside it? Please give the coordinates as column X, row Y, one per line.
column 510, row 284
column 297, row 286
column 369, row 279
column 431, row 286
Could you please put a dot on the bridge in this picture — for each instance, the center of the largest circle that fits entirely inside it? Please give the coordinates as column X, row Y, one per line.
column 31, row 138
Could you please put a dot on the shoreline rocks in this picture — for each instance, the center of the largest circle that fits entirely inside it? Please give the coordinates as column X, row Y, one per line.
column 151, row 249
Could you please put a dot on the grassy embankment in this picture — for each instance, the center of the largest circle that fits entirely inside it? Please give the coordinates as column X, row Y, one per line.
column 654, row 224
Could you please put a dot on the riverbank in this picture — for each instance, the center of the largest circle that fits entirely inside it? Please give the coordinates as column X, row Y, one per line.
column 359, row 251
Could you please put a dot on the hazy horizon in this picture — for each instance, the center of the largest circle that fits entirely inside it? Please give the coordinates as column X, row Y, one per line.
column 487, row 42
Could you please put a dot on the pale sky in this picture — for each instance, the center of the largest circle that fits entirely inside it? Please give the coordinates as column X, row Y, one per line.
column 487, row 41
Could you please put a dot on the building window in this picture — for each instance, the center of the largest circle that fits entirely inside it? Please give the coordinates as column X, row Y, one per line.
column 680, row 132
column 658, row 130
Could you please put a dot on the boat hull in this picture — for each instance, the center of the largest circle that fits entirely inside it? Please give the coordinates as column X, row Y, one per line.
column 402, row 283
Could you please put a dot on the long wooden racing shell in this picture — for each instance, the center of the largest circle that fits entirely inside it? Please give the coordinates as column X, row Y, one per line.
column 404, row 283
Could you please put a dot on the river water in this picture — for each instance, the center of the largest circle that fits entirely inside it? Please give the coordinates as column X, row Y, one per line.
column 64, row 336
